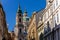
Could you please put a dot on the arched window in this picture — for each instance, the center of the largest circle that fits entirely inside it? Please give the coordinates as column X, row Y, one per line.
column 19, row 14
column 20, row 30
column 20, row 20
column 48, row 26
column 41, row 36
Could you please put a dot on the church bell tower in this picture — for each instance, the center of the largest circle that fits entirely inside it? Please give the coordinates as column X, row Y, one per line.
column 19, row 25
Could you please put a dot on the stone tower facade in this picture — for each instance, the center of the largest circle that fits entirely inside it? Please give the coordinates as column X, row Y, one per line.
column 19, row 28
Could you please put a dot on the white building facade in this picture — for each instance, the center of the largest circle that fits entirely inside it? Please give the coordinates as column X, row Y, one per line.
column 51, row 19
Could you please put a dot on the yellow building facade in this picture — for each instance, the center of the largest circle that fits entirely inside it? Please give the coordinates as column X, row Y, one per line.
column 32, row 30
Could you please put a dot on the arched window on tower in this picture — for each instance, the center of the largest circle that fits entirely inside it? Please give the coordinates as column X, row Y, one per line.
column 19, row 14
column 20, row 20
column 20, row 39
column 20, row 30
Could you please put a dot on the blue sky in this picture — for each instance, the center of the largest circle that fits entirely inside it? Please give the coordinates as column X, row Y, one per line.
column 11, row 6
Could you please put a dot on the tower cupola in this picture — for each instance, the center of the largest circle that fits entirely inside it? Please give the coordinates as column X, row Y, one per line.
column 25, row 13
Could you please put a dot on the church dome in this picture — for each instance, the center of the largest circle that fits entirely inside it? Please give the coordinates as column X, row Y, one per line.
column 25, row 18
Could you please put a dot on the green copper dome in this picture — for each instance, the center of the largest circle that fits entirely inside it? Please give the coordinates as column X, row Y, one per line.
column 25, row 18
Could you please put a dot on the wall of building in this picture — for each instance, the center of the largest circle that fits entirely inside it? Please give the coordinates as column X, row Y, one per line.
column 3, row 25
column 51, row 17
column 32, row 31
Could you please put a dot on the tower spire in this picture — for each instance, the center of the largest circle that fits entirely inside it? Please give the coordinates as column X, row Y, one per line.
column 19, row 9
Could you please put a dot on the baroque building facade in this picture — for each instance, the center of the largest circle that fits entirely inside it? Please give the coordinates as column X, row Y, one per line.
column 43, row 25
column 40, row 27
column 51, row 20
column 32, row 28
column 49, row 27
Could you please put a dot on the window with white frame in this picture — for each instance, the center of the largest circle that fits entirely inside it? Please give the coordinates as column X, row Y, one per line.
column 44, row 17
column 46, row 14
column 51, row 23
column 54, row 18
column 51, row 8
column 49, row 12
column 54, row 5
column 45, row 28
column 56, row 2
column 57, row 17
